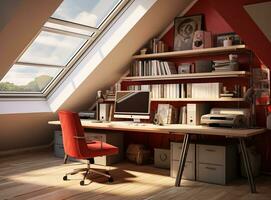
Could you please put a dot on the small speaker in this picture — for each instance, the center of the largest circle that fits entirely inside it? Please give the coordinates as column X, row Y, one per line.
column 104, row 111
column 203, row 66
column 202, row 39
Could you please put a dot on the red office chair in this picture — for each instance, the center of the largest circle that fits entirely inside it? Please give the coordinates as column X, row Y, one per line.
column 75, row 145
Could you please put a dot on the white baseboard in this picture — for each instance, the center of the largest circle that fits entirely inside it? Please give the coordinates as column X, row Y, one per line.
column 24, row 150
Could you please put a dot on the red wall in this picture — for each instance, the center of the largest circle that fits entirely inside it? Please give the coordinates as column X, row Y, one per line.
column 215, row 24
column 234, row 13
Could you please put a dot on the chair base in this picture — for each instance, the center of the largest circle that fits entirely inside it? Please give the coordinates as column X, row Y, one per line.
column 87, row 171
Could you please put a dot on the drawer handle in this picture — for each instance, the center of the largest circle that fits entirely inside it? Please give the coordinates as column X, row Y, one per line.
column 210, row 150
column 163, row 157
column 211, row 168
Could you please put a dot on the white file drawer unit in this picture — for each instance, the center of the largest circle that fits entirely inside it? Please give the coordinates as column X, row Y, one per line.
column 216, row 164
column 115, row 139
column 58, row 145
column 189, row 169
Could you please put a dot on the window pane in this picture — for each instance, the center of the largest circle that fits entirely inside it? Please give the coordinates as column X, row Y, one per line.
column 66, row 28
column 22, row 78
column 89, row 13
column 52, row 49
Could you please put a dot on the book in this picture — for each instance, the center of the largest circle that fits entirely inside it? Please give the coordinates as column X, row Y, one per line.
column 183, row 115
column 206, row 90
column 189, row 90
column 163, row 112
column 172, row 68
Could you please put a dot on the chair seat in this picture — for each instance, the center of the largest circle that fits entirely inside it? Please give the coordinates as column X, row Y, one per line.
column 95, row 149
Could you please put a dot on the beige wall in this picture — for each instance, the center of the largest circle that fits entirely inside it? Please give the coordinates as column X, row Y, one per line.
column 25, row 130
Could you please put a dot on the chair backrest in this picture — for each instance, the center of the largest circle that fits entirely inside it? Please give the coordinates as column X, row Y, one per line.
column 72, row 128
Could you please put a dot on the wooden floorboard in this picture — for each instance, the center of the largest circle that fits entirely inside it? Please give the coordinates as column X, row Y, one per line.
column 38, row 176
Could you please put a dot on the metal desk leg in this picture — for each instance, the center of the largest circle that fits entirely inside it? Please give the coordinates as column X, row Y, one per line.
column 65, row 158
column 182, row 161
column 247, row 165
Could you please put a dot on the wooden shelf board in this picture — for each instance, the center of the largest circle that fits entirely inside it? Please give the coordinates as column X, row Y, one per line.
column 109, row 100
column 197, row 52
column 204, row 75
column 192, row 99
column 189, row 99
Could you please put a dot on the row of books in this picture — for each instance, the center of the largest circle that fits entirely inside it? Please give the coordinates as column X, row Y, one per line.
column 157, row 46
column 159, row 90
column 152, row 68
column 184, row 90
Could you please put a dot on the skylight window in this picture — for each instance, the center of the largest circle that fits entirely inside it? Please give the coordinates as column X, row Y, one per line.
column 68, row 29
column 62, row 40
column 52, row 49
column 89, row 13
column 28, row 79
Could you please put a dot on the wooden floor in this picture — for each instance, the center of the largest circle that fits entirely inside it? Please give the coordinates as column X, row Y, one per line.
column 39, row 176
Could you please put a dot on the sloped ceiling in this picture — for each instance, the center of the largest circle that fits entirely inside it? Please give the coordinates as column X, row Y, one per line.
column 234, row 13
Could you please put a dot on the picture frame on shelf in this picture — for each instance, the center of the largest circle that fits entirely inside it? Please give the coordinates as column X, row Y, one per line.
column 219, row 38
column 184, row 68
column 185, row 28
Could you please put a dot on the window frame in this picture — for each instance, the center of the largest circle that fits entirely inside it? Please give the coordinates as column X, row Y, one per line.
column 74, row 60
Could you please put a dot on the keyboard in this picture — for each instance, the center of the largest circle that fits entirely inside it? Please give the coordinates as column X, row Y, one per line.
column 130, row 123
column 92, row 120
column 121, row 123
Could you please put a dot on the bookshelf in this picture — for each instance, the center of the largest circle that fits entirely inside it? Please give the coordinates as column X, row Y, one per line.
column 198, row 100
column 229, row 74
column 198, row 52
column 158, row 76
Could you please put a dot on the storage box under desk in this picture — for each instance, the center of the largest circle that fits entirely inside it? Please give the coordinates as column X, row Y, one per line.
column 216, row 164
column 189, row 169
column 207, row 163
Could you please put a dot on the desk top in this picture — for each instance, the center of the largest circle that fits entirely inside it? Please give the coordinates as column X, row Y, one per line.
column 170, row 128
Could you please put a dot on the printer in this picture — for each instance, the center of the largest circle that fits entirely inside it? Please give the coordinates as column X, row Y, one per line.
column 227, row 117
column 87, row 114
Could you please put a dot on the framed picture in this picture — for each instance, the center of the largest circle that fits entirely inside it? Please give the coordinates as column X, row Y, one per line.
column 184, row 68
column 232, row 36
column 184, row 31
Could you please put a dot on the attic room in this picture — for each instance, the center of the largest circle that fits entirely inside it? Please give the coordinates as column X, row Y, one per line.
column 135, row 99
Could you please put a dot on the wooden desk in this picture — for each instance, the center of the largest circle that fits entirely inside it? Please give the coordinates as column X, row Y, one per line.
column 187, row 131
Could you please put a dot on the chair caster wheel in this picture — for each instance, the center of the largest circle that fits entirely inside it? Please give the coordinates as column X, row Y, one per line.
column 82, row 182
column 110, row 180
column 65, row 178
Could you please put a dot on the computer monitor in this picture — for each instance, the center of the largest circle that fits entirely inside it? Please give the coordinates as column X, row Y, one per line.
column 132, row 105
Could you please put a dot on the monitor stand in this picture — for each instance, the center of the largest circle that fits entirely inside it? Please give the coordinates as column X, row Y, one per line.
column 136, row 120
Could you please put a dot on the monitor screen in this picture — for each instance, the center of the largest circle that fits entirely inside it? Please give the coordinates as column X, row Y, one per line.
column 132, row 104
